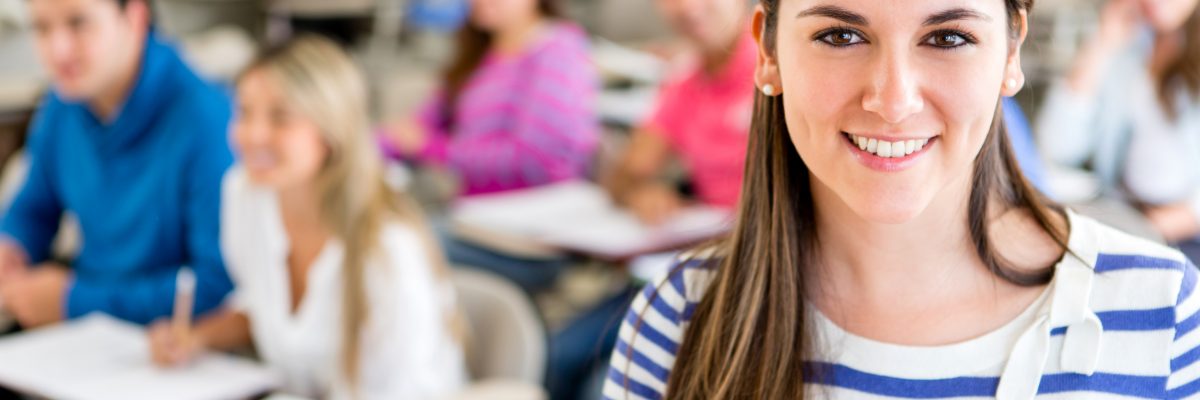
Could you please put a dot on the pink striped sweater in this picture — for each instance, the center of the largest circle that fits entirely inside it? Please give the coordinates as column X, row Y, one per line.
column 521, row 120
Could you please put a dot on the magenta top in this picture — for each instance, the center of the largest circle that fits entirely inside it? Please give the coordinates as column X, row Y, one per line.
column 521, row 120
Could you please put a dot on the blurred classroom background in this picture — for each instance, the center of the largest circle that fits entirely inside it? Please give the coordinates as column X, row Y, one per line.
column 544, row 336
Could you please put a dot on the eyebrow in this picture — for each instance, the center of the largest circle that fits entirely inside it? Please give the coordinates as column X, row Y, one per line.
column 955, row 14
column 850, row 17
column 834, row 12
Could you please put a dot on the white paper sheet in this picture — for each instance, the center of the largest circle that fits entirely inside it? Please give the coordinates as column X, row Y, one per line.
column 100, row 358
column 580, row 216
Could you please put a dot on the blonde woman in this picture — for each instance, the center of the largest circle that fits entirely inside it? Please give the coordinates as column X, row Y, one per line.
column 337, row 284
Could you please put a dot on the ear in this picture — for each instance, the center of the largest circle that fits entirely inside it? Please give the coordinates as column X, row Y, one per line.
column 1014, row 76
column 767, row 70
column 138, row 14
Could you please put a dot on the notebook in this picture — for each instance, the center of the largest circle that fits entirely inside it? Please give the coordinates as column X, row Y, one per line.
column 99, row 357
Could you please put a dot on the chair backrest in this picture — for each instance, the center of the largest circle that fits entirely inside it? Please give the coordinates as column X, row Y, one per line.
column 506, row 339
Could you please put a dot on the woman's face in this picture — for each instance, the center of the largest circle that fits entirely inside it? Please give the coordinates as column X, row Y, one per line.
column 1169, row 15
column 495, row 15
column 889, row 102
column 278, row 146
column 710, row 24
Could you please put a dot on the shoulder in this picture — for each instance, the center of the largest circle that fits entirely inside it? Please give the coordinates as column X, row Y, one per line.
column 405, row 257
column 1132, row 273
column 564, row 44
column 52, row 112
column 1115, row 252
column 200, row 108
column 567, row 34
column 654, row 327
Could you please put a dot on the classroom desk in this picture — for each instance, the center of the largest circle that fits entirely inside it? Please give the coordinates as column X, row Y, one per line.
column 577, row 218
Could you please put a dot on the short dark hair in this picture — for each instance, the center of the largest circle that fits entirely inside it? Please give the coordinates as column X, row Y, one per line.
column 149, row 7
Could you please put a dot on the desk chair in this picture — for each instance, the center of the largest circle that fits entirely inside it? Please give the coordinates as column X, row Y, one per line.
column 506, row 343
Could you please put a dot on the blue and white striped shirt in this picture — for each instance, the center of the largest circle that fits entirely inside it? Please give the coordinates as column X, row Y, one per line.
column 1120, row 323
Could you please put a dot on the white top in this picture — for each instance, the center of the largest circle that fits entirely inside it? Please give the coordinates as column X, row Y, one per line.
column 1118, row 322
column 407, row 350
column 1133, row 146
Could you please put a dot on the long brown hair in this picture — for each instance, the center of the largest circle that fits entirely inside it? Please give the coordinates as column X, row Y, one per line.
column 750, row 335
column 472, row 45
column 1186, row 69
column 321, row 81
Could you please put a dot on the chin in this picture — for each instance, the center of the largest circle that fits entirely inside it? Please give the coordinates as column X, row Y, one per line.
column 896, row 207
column 72, row 91
column 260, row 178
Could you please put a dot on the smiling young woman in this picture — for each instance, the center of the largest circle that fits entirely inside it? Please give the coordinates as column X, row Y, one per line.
column 887, row 245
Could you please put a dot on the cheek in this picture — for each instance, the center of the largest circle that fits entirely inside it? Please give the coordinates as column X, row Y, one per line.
column 304, row 152
column 964, row 98
column 819, row 95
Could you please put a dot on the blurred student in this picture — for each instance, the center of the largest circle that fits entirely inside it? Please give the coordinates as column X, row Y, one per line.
column 338, row 286
column 702, row 116
column 1130, row 108
column 129, row 141
column 516, row 107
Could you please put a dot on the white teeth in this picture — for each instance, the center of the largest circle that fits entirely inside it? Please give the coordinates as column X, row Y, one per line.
column 884, row 149
column 889, row 149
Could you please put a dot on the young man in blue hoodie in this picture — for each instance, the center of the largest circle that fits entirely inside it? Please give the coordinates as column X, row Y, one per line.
column 133, row 144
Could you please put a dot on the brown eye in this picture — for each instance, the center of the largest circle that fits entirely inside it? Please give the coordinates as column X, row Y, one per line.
column 948, row 39
column 842, row 38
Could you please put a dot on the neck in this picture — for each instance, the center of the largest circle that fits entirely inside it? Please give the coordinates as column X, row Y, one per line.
column 715, row 58
column 927, row 262
column 107, row 104
column 516, row 36
column 1168, row 48
column 300, row 207
column 879, row 263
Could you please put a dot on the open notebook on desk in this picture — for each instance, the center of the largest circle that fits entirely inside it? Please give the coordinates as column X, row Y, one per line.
column 99, row 357
column 580, row 217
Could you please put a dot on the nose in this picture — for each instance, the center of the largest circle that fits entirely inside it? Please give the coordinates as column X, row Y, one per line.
column 250, row 133
column 57, row 47
column 894, row 91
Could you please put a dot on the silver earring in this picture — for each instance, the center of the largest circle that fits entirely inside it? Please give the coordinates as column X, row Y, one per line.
column 768, row 89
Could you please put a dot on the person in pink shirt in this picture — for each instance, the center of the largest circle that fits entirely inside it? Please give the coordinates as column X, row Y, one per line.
column 517, row 103
column 702, row 116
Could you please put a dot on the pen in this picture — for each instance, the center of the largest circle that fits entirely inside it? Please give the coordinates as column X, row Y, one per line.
column 185, row 289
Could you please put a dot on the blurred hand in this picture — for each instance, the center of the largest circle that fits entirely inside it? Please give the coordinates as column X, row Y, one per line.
column 654, row 203
column 12, row 259
column 407, row 136
column 170, row 347
column 36, row 297
column 1119, row 22
column 1176, row 222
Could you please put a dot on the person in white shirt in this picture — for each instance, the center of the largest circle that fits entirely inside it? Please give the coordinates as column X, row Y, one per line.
column 1130, row 108
column 338, row 285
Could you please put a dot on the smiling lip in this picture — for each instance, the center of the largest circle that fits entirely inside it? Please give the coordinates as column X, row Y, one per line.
column 887, row 164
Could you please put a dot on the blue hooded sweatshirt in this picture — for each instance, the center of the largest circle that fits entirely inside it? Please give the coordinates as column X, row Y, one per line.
column 144, row 186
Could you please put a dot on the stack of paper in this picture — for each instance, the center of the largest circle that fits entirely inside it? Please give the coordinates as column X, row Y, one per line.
column 100, row 358
column 579, row 216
